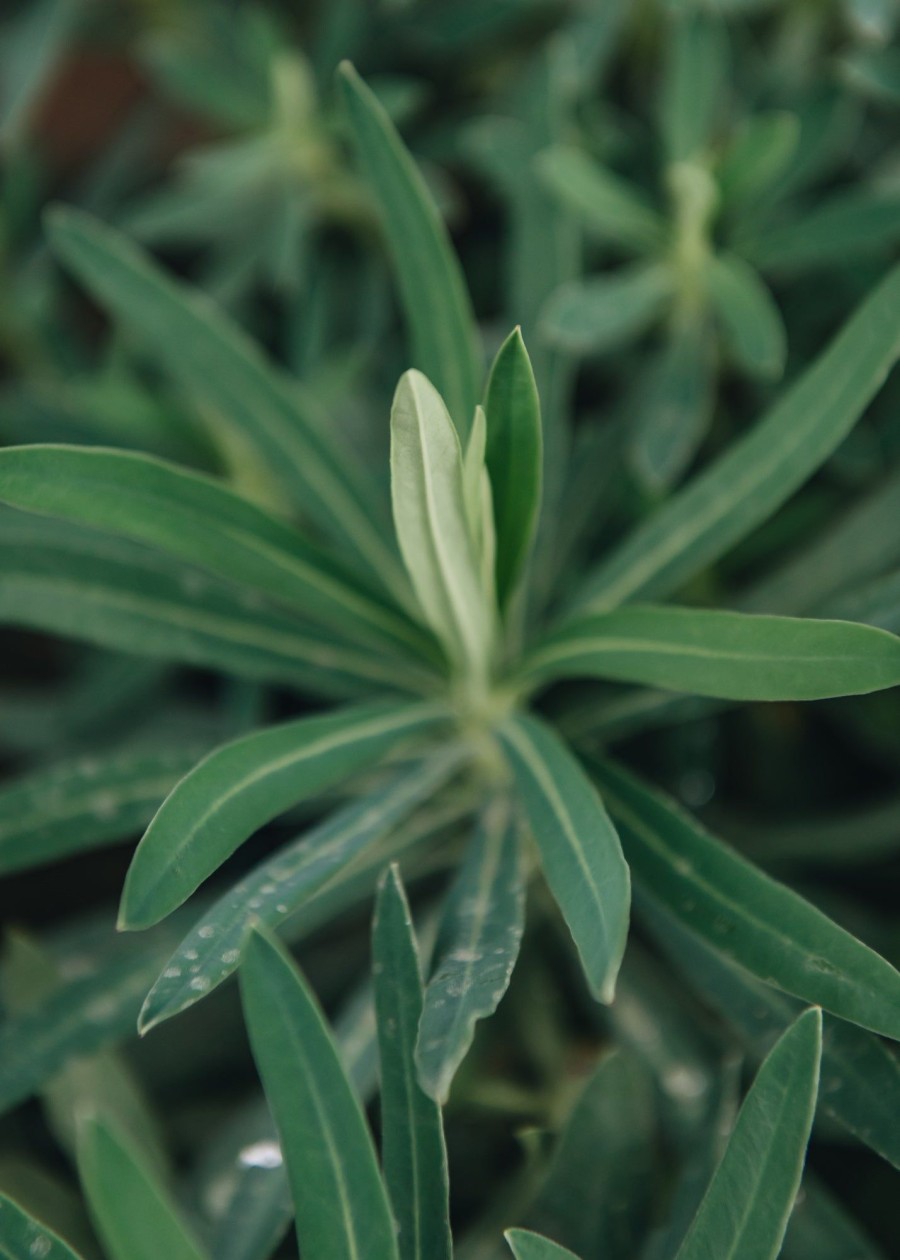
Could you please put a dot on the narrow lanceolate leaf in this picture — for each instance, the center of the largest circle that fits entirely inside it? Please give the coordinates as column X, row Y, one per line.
column 412, row 1135
column 602, row 314
column 750, row 319
column 745, row 1211
column 608, row 205
column 287, row 882
column 860, row 1072
column 436, row 302
column 761, row 924
column 528, row 1246
column 198, row 520
column 22, row 1237
column 477, row 946
column 341, row 1206
column 514, row 456
column 217, row 365
column 580, row 851
column 692, row 87
column 748, row 482
column 245, row 784
column 132, row 1212
column 725, row 655
column 432, row 524
column 87, row 803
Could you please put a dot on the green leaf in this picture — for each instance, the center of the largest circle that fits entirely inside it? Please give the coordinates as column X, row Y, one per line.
column 199, row 520
column 758, row 155
column 514, row 457
column 432, row 523
column 609, row 311
column 83, row 804
column 438, row 311
column 245, row 784
column 860, row 1073
column 477, row 946
column 527, row 1246
column 22, row 1236
column 751, row 321
column 412, row 1136
column 339, row 1198
column 671, row 405
column 848, row 225
column 287, row 883
column 749, row 481
column 745, row 1211
column 821, row 1228
column 742, row 913
column 609, row 206
column 216, row 364
column 580, row 851
column 133, row 1214
column 729, row 655
column 693, row 83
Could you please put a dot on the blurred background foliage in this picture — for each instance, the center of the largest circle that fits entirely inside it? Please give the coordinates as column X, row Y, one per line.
column 678, row 203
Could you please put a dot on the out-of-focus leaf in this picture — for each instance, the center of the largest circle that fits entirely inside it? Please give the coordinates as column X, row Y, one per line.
column 412, row 1136
column 750, row 319
column 746, row 1208
column 477, row 945
column 821, row 1229
column 757, row 473
column 601, row 314
column 580, row 851
column 238, row 788
column 339, row 1197
column 851, row 224
column 608, row 205
column 758, row 155
column 439, row 315
column 725, row 655
column 21, row 1235
column 693, row 82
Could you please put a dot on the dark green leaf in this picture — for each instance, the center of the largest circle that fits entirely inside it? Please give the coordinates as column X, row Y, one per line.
column 750, row 319
column 608, row 205
column 22, row 1237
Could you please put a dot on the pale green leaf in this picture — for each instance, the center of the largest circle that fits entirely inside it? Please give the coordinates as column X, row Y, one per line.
column 527, row 1246
column 580, row 851
column 605, row 312
column 607, row 204
column 432, row 523
column 412, row 1136
column 514, row 455
column 749, row 481
column 340, row 1201
column 745, row 1211
column 245, row 784
column 477, row 945
column 742, row 913
column 438, row 310
column 729, row 655
column 22, row 1237
column 693, row 83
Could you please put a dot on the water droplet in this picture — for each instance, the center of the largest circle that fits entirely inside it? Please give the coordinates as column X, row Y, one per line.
column 684, row 1082
column 261, row 1155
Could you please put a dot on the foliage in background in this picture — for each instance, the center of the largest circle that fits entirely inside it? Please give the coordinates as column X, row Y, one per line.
column 494, row 455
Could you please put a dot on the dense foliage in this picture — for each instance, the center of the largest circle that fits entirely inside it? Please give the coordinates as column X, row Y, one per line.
column 450, row 520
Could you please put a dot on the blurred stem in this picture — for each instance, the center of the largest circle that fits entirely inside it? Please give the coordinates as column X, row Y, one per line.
column 694, row 202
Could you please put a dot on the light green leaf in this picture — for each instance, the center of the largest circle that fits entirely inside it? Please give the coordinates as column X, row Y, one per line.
column 514, row 456
column 745, row 1211
column 87, row 803
column 751, row 321
column 609, row 206
column 758, row 155
column 671, row 406
column 580, row 851
column 245, row 784
column 133, row 1214
column 432, row 524
column 527, row 1246
column 438, row 311
column 742, row 913
column 729, row 655
column 339, row 1198
column 693, row 83
column 601, row 314
column 749, row 481
column 288, row 883
column 22, row 1236
column 477, row 946
column 198, row 520
column 215, row 363
column 861, row 1074
column 412, row 1136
